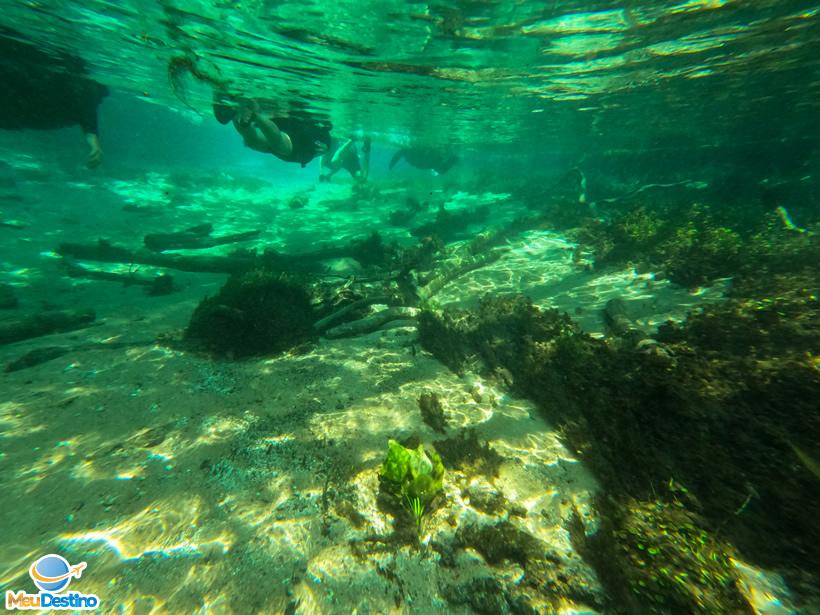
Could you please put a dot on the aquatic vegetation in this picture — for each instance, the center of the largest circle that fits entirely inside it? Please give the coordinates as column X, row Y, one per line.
column 697, row 255
column 741, row 373
column 414, row 476
column 542, row 587
column 432, row 412
column 466, row 452
column 449, row 225
column 440, row 334
column 656, row 556
column 414, row 473
column 502, row 333
column 402, row 217
column 417, row 508
column 298, row 201
column 499, row 542
column 603, row 150
column 372, row 251
column 37, row 356
column 692, row 244
column 162, row 284
column 640, row 227
column 259, row 312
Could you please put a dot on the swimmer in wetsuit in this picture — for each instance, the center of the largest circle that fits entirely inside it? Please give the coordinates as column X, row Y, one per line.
column 292, row 139
column 343, row 155
column 43, row 92
column 438, row 160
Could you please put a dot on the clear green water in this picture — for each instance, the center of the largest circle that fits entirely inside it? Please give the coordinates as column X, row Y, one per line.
column 639, row 435
column 474, row 73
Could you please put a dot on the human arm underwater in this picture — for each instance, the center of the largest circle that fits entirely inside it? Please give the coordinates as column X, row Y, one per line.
column 260, row 133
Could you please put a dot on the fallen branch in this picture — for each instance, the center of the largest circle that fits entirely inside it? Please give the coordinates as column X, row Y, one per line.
column 106, row 252
column 373, row 322
column 325, row 322
column 687, row 183
column 194, row 238
column 154, row 285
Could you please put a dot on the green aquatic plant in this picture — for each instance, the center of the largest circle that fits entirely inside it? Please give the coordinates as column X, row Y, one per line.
column 415, row 472
column 417, row 508
column 640, row 227
column 414, row 476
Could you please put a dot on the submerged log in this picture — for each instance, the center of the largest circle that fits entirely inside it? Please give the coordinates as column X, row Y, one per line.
column 372, row 323
column 624, row 327
column 327, row 321
column 194, row 238
column 106, row 252
column 618, row 320
column 154, row 285
column 44, row 323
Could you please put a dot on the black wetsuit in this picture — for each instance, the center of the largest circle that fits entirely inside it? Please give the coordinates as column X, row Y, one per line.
column 42, row 91
column 439, row 161
column 304, row 134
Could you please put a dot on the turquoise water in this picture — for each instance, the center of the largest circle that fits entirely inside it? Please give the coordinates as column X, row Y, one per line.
column 552, row 350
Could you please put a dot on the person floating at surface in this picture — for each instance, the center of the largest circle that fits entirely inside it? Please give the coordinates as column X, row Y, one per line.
column 292, row 139
column 343, row 155
column 439, row 161
column 45, row 92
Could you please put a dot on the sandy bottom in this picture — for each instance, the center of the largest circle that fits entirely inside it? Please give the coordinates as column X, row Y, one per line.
column 193, row 485
column 188, row 484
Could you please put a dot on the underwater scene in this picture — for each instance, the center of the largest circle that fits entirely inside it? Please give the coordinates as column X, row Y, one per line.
column 393, row 306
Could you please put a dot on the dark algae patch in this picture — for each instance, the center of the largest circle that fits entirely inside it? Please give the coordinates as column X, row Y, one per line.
column 255, row 313
column 36, row 357
column 466, row 452
column 656, row 556
column 432, row 412
column 706, row 451
column 505, row 542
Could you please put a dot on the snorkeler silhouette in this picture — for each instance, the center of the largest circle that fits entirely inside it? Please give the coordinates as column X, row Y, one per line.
column 289, row 138
column 292, row 137
column 344, row 155
column 437, row 160
column 44, row 91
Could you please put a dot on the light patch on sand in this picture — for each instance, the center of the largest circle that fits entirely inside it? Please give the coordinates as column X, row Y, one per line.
column 165, row 528
column 539, row 264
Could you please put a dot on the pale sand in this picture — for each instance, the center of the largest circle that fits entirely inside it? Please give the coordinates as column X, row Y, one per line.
column 190, row 484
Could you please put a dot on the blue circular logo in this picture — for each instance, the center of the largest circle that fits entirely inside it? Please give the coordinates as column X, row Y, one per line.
column 51, row 573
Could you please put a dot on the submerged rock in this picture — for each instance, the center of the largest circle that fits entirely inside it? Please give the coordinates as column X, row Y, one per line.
column 255, row 313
